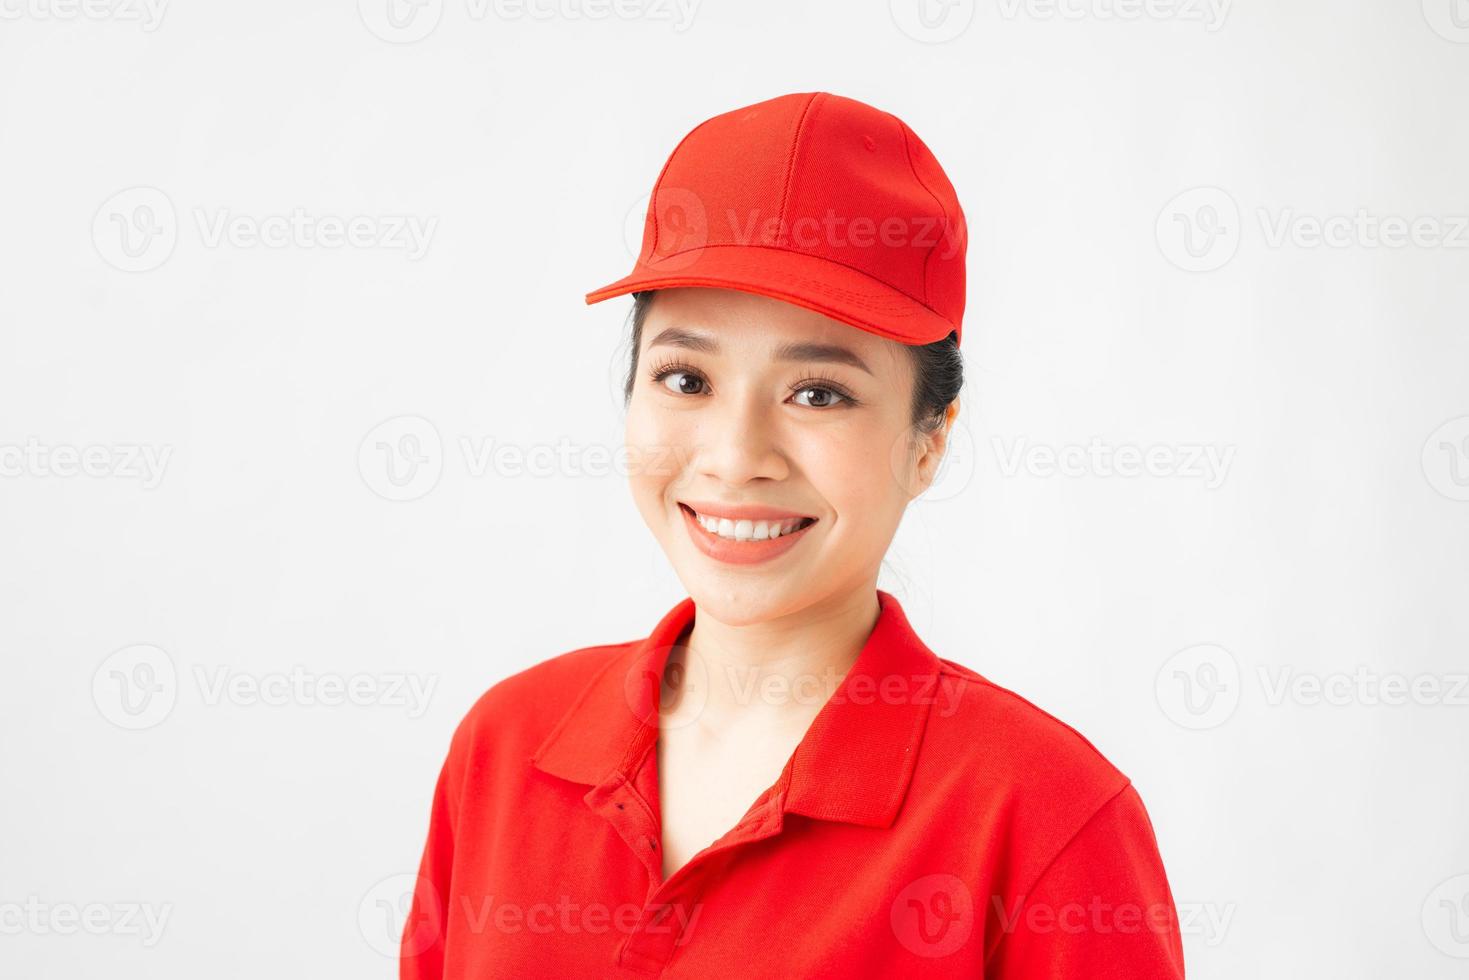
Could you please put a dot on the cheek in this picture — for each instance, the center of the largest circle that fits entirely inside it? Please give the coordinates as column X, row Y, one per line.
column 854, row 475
column 655, row 449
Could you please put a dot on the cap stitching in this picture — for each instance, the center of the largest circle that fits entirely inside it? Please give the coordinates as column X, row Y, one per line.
column 653, row 198
column 908, row 152
column 778, row 248
column 785, row 191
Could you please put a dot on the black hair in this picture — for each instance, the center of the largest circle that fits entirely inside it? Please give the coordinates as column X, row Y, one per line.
column 938, row 369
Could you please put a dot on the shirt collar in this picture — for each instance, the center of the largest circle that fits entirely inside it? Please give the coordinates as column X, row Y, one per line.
column 853, row 764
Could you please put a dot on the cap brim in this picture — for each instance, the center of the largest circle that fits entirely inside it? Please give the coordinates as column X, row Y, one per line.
column 838, row 291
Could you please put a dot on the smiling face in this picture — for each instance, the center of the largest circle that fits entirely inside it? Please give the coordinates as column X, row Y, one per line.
column 789, row 432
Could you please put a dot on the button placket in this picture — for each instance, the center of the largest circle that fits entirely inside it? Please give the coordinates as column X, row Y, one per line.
column 659, row 934
column 617, row 802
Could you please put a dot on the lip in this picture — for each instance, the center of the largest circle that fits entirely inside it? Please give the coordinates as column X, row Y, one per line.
column 742, row 512
column 741, row 552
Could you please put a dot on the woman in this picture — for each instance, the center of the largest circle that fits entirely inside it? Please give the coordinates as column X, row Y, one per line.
column 781, row 779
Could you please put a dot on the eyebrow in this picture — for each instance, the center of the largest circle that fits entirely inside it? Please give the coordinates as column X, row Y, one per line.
column 832, row 353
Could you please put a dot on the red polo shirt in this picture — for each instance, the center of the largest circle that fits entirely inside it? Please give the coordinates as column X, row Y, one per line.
column 929, row 823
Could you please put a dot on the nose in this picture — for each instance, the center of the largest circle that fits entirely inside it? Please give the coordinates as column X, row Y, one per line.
column 740, row 440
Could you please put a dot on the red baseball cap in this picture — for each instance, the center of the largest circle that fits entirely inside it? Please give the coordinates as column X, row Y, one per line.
column 815, row 199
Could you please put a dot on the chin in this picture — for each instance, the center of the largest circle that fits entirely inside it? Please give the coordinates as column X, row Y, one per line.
column 743, row 598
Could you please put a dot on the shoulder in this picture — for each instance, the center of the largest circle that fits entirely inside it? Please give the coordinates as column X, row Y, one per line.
column 1016, row 739
column 1025, row 774
column 520, row 710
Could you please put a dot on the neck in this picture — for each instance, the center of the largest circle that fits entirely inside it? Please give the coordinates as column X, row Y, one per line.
column 780, row 671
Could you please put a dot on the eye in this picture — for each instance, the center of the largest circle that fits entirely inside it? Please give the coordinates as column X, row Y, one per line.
column 822, row 397
column 826, row 393
column 687, row 381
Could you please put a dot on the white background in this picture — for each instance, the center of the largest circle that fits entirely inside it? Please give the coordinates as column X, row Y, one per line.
column 1327, row 833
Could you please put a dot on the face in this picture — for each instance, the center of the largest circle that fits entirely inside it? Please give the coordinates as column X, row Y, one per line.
column 789, row 433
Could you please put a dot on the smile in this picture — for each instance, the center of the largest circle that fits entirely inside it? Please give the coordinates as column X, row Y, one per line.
column 744, row 540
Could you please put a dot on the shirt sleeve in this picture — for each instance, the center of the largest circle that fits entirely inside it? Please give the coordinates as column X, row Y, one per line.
column 421, row 953
column 1101, row 910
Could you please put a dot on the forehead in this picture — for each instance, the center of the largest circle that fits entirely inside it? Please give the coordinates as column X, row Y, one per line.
column 723, row 322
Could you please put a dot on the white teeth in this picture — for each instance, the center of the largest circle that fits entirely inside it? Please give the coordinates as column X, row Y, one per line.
column 748, row 530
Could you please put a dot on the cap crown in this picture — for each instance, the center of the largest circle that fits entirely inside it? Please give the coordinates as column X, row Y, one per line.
column 819, row 174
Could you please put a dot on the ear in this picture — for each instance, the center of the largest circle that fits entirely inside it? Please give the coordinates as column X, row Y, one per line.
column 930, row 449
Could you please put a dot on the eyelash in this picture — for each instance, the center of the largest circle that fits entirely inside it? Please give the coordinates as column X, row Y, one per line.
column 819, row 381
